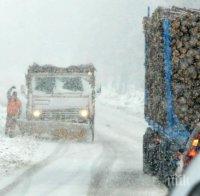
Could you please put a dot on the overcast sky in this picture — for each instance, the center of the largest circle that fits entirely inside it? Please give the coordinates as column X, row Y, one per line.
column 107, row 33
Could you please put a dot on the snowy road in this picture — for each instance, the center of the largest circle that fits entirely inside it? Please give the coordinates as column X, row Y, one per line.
column 110, row 166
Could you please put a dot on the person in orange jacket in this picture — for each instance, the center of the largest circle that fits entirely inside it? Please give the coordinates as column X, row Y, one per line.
column 13, row 110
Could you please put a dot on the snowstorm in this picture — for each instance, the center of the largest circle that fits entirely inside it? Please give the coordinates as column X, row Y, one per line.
column 88, row 90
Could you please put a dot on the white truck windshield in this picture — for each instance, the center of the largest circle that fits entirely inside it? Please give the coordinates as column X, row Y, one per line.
column 60, row 85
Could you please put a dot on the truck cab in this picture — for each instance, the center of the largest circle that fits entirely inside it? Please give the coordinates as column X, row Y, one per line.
column 60, row 101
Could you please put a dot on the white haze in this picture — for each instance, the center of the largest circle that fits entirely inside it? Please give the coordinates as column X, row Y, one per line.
column 107, row 33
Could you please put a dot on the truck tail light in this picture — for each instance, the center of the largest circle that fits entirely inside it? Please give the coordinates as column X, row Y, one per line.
column 195, row 142
column 192, row 153
column 193, row 150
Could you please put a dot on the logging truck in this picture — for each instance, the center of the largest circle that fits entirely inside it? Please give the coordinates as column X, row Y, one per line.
column 172, row 107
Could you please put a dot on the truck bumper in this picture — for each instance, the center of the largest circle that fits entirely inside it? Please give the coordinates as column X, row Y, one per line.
column 58, row 129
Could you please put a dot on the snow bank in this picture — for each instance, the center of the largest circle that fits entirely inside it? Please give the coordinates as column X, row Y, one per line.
column 14, row 153
column 20, row 152
column 132, row 101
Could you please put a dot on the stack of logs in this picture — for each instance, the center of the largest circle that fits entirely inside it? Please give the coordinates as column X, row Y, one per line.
column 185, row 43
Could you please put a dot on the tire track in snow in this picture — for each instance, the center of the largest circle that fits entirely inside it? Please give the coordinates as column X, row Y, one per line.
column 120, row 144
column 34, row 169
column 101, row 174
column 111, row 152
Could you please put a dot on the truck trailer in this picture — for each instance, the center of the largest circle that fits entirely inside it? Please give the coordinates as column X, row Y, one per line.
column 172, row 91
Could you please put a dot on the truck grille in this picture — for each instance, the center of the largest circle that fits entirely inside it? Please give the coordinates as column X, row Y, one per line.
column 70, row 114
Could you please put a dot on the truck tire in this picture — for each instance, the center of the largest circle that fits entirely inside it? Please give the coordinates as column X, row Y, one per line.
column 6, row 133
column 13, row 132
column 150, row 153
column 10, row 133
column 146, row 166
column 145, row 156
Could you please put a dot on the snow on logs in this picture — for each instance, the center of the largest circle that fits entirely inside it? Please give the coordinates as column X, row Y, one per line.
column 183, row 56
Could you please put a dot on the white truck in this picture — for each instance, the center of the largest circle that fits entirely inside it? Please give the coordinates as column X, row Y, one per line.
column 60, row 102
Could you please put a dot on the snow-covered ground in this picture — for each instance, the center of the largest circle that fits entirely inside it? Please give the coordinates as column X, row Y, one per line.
column 132, row 101
column 112, row 165
column 19, row 152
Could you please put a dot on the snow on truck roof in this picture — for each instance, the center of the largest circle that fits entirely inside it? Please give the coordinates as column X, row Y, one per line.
column 35, row 68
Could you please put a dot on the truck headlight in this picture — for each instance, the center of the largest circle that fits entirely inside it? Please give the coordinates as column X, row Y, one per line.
column 89, row 73
column 36, row 113
column 84, row 113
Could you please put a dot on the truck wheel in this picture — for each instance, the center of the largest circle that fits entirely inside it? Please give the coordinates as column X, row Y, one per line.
column 12, row 132
column 146, row 161
column 146, row 168
column 11, row 135
column 151, row 149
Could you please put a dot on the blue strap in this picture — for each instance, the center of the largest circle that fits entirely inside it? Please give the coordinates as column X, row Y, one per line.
column 174, row 129
column 168, row 72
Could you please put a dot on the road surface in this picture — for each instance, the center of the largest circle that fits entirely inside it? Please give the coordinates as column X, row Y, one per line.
column 111, row 166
